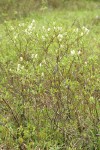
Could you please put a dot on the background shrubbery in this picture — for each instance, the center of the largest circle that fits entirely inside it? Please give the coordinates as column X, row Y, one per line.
column 18, row 8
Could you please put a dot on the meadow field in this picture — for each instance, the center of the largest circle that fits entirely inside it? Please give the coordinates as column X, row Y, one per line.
column 50, row 77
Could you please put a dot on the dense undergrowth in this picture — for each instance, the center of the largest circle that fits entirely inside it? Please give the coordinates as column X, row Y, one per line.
column 50, row 82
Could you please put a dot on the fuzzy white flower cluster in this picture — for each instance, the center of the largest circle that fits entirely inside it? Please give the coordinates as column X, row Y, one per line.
column 42, row 74
column 12, row 28
column 43, row 38
column 21, row 25
column 86, row 63
column 61, row 46
column 60, row 37
column 85, row 31
column 72, row 52
column 15, row 35
column 76, row 30
column 20, row 67
column 30, row 28
column 40, row 65
column 57, row 28
column 21, row 58
column 48, row 29
column 34, row 56
column 79, row 52
column 44, row 61
column 43, row 28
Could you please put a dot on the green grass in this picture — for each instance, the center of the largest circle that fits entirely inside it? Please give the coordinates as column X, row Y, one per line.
column 50, row 82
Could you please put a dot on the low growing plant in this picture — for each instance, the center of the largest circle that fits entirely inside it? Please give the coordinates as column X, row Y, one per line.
column 49, row 89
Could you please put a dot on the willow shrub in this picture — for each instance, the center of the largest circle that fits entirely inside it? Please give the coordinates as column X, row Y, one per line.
column 49, row 88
